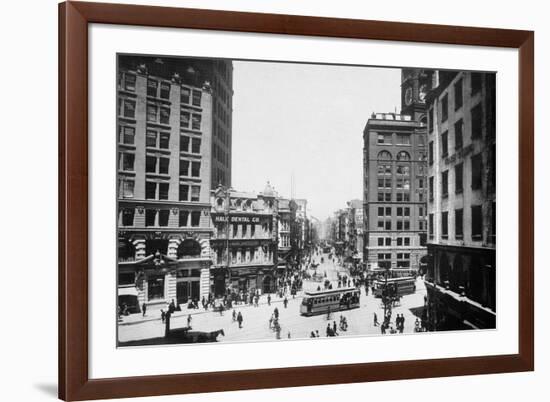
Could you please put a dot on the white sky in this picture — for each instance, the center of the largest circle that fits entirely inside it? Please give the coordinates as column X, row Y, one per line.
column 307, row 119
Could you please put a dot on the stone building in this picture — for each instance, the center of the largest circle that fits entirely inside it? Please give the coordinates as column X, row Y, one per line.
column 394, row 191
column 244, row 243
column 164, row 132
column 461, row 201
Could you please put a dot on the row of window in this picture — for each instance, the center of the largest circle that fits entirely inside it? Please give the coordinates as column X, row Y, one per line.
column 159, row 139
column 403, row 260
column 161, row 217
column 159, row 190
column 400, row 241
column 400, row 196
column 475, row 87
column 246, row 230
column 476, row 223
column 387, row 156
column 477, row 178
column 159, row 165
column 386, row 224
column 400, row 139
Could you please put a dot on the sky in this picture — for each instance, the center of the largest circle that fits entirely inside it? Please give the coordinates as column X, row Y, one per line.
column 306, row 121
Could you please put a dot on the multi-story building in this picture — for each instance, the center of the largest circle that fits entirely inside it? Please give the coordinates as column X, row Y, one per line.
column 164, row 131
column 357, row 209
column 283, row 227
column 244, row 243
column 394, row 191
column 461, row 203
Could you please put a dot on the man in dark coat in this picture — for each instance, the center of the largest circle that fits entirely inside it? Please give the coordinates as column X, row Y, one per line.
column 240, row 319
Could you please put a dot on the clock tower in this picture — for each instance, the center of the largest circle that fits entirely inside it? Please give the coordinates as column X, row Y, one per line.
column 415, row 84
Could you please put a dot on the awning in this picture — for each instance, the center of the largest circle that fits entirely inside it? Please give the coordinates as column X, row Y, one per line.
column 128, row 291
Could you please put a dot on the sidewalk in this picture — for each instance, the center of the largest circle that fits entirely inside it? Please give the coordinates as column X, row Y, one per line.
column 154, row 314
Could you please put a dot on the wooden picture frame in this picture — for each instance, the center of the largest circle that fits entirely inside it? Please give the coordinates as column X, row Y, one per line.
column 74, row 381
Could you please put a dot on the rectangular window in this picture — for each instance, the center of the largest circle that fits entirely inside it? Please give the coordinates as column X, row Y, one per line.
column 477, row 171
column 380, row 211
column 164, row 140
column 185, row 117
column 197, row 97
column 459, row 233
column 431, row 225
column 163, row 191
column 431, row 119
column 458, row 134
column 150, row 217
column 380, row 241
column 196, row 123
column 195, row 218
column 458, row 94
column 431, row 153
column 151, row 139
column 185, row 95
column 444, row 108
column 444, row 224
column 195, row 193
column 128, row 161
column 420, row 184
column 399, row 239
column 152, row 111
column 183, row 217
column 184, row 167
column 128, row 188
column 152, row 88
column 164, row 215
column 164, row 164
column 387, row 225
column 380, row 139
column 150, row 164
column 476, row 83
column 444, row 144
column 184, row 143
column 476, row 121
column 458, row 178
column 431, row 188
column 184, row 192
column 150, row 190
column 388, row 241
column 477, row 222
column 164, row 115
column 403, row 139
column 407, row 241
column 195, row 169
column 129, row 82
column 129, row 108
column 128, row 217
column 445, row 184
column 127, row 135
column 155, row 287
column 196, row 145
column 165, row 90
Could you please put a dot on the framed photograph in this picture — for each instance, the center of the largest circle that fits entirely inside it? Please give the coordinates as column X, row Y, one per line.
column 259, row 200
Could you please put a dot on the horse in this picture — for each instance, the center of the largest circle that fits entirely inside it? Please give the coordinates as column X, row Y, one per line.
column 209, row 336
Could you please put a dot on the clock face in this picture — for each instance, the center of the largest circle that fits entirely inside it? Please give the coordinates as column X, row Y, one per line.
column 408, row 96
column 422, row 93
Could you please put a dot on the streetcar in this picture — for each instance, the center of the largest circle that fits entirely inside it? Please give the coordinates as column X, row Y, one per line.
column 400, row 286
column 319, row 302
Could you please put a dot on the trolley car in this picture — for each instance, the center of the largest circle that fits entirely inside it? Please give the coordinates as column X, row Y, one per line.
column 323, row 301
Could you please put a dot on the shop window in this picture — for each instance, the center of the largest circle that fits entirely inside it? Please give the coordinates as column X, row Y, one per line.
column 155, row 287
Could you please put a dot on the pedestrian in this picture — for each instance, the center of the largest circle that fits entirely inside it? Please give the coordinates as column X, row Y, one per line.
column 144, row 308
column 189, row 320
column 375, row 320
column 317, row 333
column 271, row 321
column 172, row 307
column 276, row 313
column 329, row 330
column 234, row 315
column 312, row 335
column 269, row 300
column 285, row 302
column 383, row 328
column 162, row 315
column 288, row 335
column 334, row 328
column 402, row 323
column 240, row 319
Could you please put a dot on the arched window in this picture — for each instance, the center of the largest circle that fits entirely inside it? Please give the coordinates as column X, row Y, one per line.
column 154, row 245
column 189, row 248
column 238, row 203
column 219, row 202
column 403, row 156
column 423, row 119
column 384, row 156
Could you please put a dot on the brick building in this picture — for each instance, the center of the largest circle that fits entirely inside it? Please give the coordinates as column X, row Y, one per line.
column 166, row 118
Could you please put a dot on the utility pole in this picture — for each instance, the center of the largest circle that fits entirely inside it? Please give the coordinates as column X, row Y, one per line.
column 227, row 199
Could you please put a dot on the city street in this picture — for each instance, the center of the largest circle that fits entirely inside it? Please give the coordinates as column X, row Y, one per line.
column 256, row 319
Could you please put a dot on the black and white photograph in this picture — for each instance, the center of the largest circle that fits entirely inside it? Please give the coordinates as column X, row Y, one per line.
column 274, row 201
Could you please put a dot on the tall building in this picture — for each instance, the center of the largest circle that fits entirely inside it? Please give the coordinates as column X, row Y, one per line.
column 462, row 205
column 244, row 243
column 394, row 191
column 357, row 206
column 215, row 73
column 165, row 122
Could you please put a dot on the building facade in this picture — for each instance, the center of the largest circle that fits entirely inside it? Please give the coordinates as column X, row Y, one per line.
column 394, row 191
column 164, row 133
column 244, row 243
column 462, row 201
